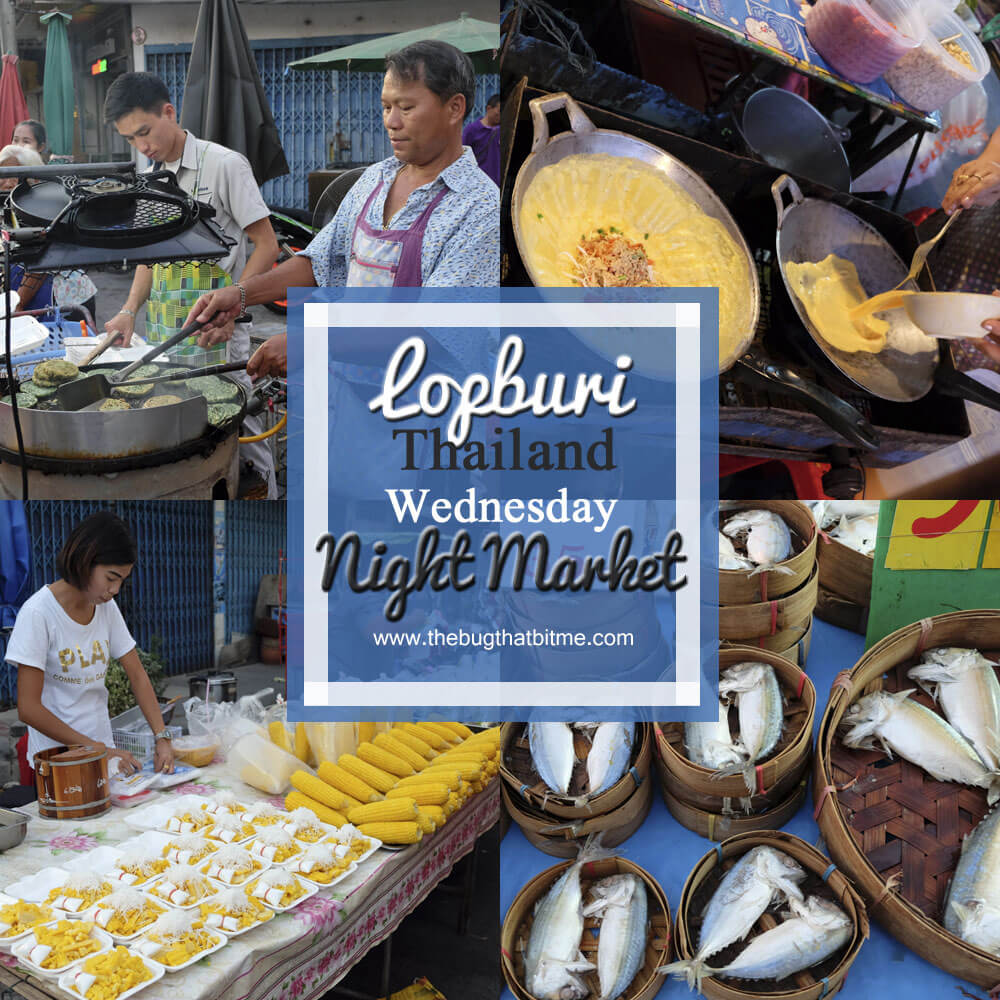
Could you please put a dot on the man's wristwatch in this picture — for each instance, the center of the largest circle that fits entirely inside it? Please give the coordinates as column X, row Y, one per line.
column 163, row 734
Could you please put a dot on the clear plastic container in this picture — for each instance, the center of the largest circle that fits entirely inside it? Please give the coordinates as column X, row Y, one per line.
column 949, row 60
column 861, row 40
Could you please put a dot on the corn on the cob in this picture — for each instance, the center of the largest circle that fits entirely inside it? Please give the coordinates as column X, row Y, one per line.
column 400, row 749
column 366, row 730
column 424, row 795
column 380, row 780
column 347, row 783
column 279, row 735
column 301, row 742
column 430, row 737
column 382, row 758
column 295, row 800
column 461, row 756
column 319, row 790
column 436, row 813
column 425, row 822
column 467, row 770
column 445, row 776
column 393, row 833
column 464, row 731
column 389, row 810
column 445, row 732
column 415, row 743
column 453, row 803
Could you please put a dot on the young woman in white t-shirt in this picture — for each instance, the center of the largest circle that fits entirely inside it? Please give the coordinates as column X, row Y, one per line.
column 64, row 639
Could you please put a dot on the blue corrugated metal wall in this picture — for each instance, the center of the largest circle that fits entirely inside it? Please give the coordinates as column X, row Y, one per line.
column 255, row 539
column 169, row 593
column 311, row 109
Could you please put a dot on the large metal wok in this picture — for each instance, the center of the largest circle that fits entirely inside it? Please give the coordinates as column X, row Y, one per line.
column 645, row 347
column 810, row 229
column 113, row 434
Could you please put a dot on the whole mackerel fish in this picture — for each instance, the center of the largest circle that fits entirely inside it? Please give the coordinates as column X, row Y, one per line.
column 972, row 906
column 551, row 746
column 762, row 876
column 620, row 901
column 610, row 752
column 811, row 932
column 964, row 683
column 761, row 713
column 552, row 959
column 895, row 722
column 709, row 744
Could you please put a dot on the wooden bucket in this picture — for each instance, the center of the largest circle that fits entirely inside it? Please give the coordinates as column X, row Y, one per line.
column 517, row 928
column 841, row 611
column 519, row 774
column 894, row 821
column 777, row 776
column 563, row 838
column 714, row 825
column 845, row 572
column 768, row 618
column 72, row 782
column 822, row 879
column 737, row 586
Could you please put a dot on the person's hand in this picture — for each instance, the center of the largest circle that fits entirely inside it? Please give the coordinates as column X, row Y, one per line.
column 164, row 758
column 271, row 358
column 990, row 344
column 216, row 310
column 121, row 323
column 127, row 764
column 973, row 184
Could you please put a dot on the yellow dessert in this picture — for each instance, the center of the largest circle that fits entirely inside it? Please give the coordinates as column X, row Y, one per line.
column 60, row 944
column 278, row 888
column 303, row 824
column 263, row 814
column 78, row 892
column 126, row 912
column 232, row 865
column 176, row 938
column 224, row 802
column 595, row 219
column 189, row 850
column 17, row 918
column 189, row 821
column 322, row 864
column 829, row 290
column 234, row 910
column 137, row 868
column 229, row 828
column 182, row 885
column 275, row 845
column 107, row 976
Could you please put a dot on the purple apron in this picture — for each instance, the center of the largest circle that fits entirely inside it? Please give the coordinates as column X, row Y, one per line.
column 386, row 258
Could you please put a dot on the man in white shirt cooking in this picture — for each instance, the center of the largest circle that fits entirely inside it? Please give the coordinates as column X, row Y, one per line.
column 425, row 216
column 138, row 105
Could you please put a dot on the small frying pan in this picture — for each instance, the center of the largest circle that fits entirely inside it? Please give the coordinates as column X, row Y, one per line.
column 910, row 364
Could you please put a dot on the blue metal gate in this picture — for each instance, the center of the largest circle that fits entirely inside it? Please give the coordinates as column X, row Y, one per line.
column 255, row 539
column 323, row 117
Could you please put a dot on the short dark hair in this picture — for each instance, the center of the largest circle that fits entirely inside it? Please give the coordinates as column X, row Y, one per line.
column 134, row 91
column 37, row 130
column 493, row 99
column 103, row 539
column 440, row 67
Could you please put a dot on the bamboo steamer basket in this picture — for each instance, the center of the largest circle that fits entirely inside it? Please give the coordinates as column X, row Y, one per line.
column 563, row 838
column 896, row 831
column 845, row 572
column 737, row 586
column 718, row 826
column 778, row 776
column 768, row 618
column 822, row 878
column 784, row 639
column 798, row 652
column 841, row 611
column 517, row 928
column 522, row 780
column 72, row 782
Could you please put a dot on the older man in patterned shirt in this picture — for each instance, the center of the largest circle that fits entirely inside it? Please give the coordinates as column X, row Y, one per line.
column 427, row 215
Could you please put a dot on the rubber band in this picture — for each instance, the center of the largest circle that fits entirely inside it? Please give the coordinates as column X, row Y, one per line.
column 760, row 641
column 774, row 617
column 506, row 954
column 829, row 872
column 636, row 777
column 524, row 789
column 763, row 586
column 842, row 680
column 718, row 847
column 925, row 632
column 826, row 987
column 760, row 778
column 826, row 790
column 800, row 652
column 802, row 683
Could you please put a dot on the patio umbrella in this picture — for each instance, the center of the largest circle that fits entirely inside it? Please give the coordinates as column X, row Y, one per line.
column 13, row 108
column 15, row 560
column 224, row 99
column 58, row 99
column 479, row 39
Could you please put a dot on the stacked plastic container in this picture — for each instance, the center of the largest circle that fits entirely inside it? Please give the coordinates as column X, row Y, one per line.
column 927, row 54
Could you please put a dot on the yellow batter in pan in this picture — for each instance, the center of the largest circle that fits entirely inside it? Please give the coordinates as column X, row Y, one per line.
column 631, row 210
column 829, row 290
